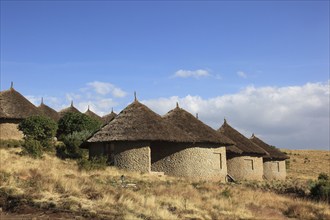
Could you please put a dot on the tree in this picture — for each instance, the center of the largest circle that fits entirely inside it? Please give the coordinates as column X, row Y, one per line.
column 76, row 122
column 39, row 128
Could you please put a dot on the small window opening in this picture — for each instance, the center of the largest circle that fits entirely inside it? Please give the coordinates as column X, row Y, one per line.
column 250, row 163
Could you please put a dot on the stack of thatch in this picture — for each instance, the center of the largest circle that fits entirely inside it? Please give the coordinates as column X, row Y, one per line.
column 273, row 152
column 138, row 123
column 71, row 108
column 108, row 117
column 200, row 132
column 16, row 106
column 48, row 111
column 242, row 143
column 93, row 115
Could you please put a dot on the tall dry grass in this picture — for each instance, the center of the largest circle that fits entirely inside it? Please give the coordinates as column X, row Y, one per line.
column 51, row 183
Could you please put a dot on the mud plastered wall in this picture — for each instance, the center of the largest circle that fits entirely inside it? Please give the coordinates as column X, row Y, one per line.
column 9, row 131
column 198, row 162
column 274, row 170
column 133, row 156
column 245, row 167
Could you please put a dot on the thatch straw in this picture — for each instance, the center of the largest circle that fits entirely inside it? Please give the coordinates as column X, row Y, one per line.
column 93, row 115
column 16, row 106
column 243, row 143
column 48, row 111
column 274, row 153
column 68, row 109
column 109, row 117
column 200, row 132
column 138, row 123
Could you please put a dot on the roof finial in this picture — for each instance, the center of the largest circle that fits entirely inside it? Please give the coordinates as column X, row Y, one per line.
column 112, row 110
column 12, row 85
column 197, row 115
column 224, row 120
column 42, row 100
column 177, row 104
column 135, row 99
column 253, row 135
column 71, row 103
column 87, row 107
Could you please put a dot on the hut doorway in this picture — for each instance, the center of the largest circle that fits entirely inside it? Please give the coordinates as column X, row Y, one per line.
column 219, row 156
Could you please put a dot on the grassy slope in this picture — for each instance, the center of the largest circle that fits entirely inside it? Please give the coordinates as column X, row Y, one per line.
column 307, row 164
column 57, row 185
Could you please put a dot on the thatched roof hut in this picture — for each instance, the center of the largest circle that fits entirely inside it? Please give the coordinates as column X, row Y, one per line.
column 242, row 143
column 93, row 115
column 200, row 132
column 273, row 164
column 71, row 108
column 16, row 106
column 273, row 153
column 138, row 123
column 247, row 164
column 109, row 117
column 48, row 111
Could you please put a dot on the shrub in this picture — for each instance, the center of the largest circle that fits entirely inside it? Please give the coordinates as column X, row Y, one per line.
column 320, row 190
column 32, row 148
column 95, row 163
column 11, row 143
column 76, row 122
column 40, row 128
column 71, row 149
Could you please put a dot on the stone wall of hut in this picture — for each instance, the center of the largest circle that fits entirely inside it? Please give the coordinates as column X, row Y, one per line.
column 9, row 130
column 245, row 167
column 200, row 161
column 274, row 169
column 133, row 156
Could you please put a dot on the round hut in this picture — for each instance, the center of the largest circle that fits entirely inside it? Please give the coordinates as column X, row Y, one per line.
column 14, row 107
column 244, row 161
column 93, row 115
column 71, row 108
column 126, row 140
column 204, row 158
column 274, row 163
column 48, row 111
column 108, row 117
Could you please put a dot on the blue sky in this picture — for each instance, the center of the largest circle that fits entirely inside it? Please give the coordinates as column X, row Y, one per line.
column 100, row 52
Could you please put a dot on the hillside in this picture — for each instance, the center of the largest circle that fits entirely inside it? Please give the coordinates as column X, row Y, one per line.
column 51, row 187
column 307, row 164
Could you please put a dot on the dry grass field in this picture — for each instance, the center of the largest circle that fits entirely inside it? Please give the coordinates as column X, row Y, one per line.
column 54, row 188
column 307, row 164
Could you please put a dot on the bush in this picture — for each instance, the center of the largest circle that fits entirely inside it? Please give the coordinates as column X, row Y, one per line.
column 76, row 122
column 71, row 142
column 40, row 128
column 320, row 190
column 95, row 163
column 32, row 148
column 11, row 143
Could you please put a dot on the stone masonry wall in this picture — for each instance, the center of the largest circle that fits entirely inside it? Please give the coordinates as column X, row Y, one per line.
column 245, row 167
column 200, row 161
column 133, row 156
column 274, row 170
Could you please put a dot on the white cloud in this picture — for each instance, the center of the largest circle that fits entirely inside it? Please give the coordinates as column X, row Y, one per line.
column 104, row 88
column 192, row 73
column 242, row 74
column 287, row 117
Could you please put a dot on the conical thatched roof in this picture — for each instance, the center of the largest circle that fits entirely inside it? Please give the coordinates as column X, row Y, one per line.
column 109, row 117
column 195, row 128
column 274, row 153
column 138, row 123
column 16, row 106
column 68, row 109
column 93, row 115
column 243, row 143
column 48, row 111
